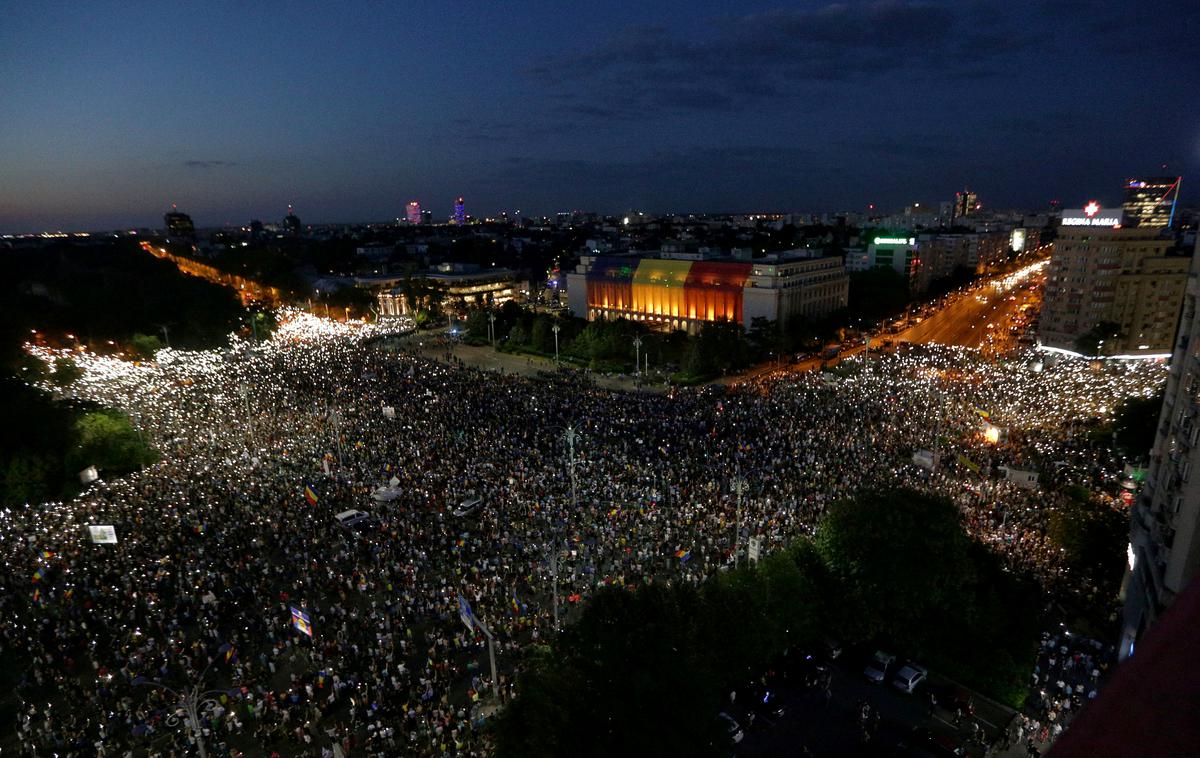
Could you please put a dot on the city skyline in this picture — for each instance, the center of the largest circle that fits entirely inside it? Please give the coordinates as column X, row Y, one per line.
column 119, row 111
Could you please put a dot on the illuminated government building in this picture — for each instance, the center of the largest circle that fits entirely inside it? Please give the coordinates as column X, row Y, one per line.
column 682, row 292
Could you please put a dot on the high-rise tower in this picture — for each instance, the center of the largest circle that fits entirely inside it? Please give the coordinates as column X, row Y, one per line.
column 1150, row 202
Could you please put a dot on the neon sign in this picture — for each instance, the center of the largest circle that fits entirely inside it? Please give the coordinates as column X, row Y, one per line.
column 895, row 240
column 1093, row 215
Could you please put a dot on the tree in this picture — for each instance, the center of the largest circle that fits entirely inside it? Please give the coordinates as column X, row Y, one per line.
column 541, row 337
column 145, row 346
column 877, row 293
column 1136, row 424
column 1092, row 341
column 478, row 326
column 901, row 559
column 1090, row 533
column 109, row 442
column 765, row 338
column 30, row 478
column 66, row 372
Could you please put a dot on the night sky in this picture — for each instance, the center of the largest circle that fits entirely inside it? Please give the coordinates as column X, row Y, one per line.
column 111, row 112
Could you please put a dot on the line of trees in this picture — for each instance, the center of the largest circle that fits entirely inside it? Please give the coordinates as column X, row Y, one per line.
column 644, row 669
column 720, row 347
column 45, row 442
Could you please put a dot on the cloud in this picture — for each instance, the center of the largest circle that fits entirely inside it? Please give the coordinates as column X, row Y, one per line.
column 208, row 164
column 781, row 55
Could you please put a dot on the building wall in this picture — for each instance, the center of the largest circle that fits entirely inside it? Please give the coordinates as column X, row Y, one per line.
column 1165, row 529
column 680, row 294
column 1117, row 275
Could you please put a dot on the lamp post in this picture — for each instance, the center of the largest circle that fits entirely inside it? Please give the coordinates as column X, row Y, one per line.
column 739, row 486
column 192, row 700
column 555, row 329
column 492, row 328
column 244, row 390
column 571, row 436
column 637, row 360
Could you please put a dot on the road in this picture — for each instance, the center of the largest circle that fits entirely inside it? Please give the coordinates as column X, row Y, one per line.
column 980, row 318
column 832, row 729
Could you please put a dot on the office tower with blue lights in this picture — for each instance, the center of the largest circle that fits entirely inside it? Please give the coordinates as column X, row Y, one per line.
column 1150, row 202
column 460, row 212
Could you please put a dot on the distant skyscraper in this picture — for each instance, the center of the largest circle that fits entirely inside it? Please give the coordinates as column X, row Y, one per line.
column 256, row 229
column 1151, row 201
column 413, row 213
column 291, row 223
column 965, row 203
column 179, row 225
column 426, row 217
column 460, row 213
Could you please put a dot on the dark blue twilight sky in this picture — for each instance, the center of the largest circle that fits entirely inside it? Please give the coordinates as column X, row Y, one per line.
column 109, row 112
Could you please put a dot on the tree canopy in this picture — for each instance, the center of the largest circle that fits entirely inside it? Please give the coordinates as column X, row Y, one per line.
column 644, row 669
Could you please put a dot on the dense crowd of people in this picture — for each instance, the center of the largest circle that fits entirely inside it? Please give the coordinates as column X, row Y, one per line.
column 262, row 445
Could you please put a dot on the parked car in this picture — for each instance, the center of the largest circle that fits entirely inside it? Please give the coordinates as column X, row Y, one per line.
column 469, row 506
column 759, row 700
column 731, row 726
column 357, row 522
column 909, row 677
column 877, row 669
column 954, row 698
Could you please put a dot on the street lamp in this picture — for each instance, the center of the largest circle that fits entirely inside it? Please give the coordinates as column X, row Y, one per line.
column 739, row 486
column 571, row 436
column 492, row 328
column 193, row 699
column 555, row 329
column 637, row 360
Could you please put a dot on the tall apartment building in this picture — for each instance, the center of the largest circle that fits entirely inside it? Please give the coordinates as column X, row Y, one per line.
column 1164, row 539
column 965, row 203
column 1115, row 281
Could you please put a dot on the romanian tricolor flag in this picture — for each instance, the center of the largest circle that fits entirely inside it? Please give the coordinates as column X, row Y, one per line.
column 320, row 678
column 47, row 554
column 39, row 574
column 310, row 496
column 37, row 597
column 230, row 654
column 683, row 555
column 982, row 413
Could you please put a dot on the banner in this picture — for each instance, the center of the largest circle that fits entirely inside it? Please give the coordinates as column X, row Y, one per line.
column 465, row 613
column 103, row 535
column 301, row 622
column 88, row 475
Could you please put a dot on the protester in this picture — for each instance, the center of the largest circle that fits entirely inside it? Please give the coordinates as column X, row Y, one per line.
column 262, row 445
